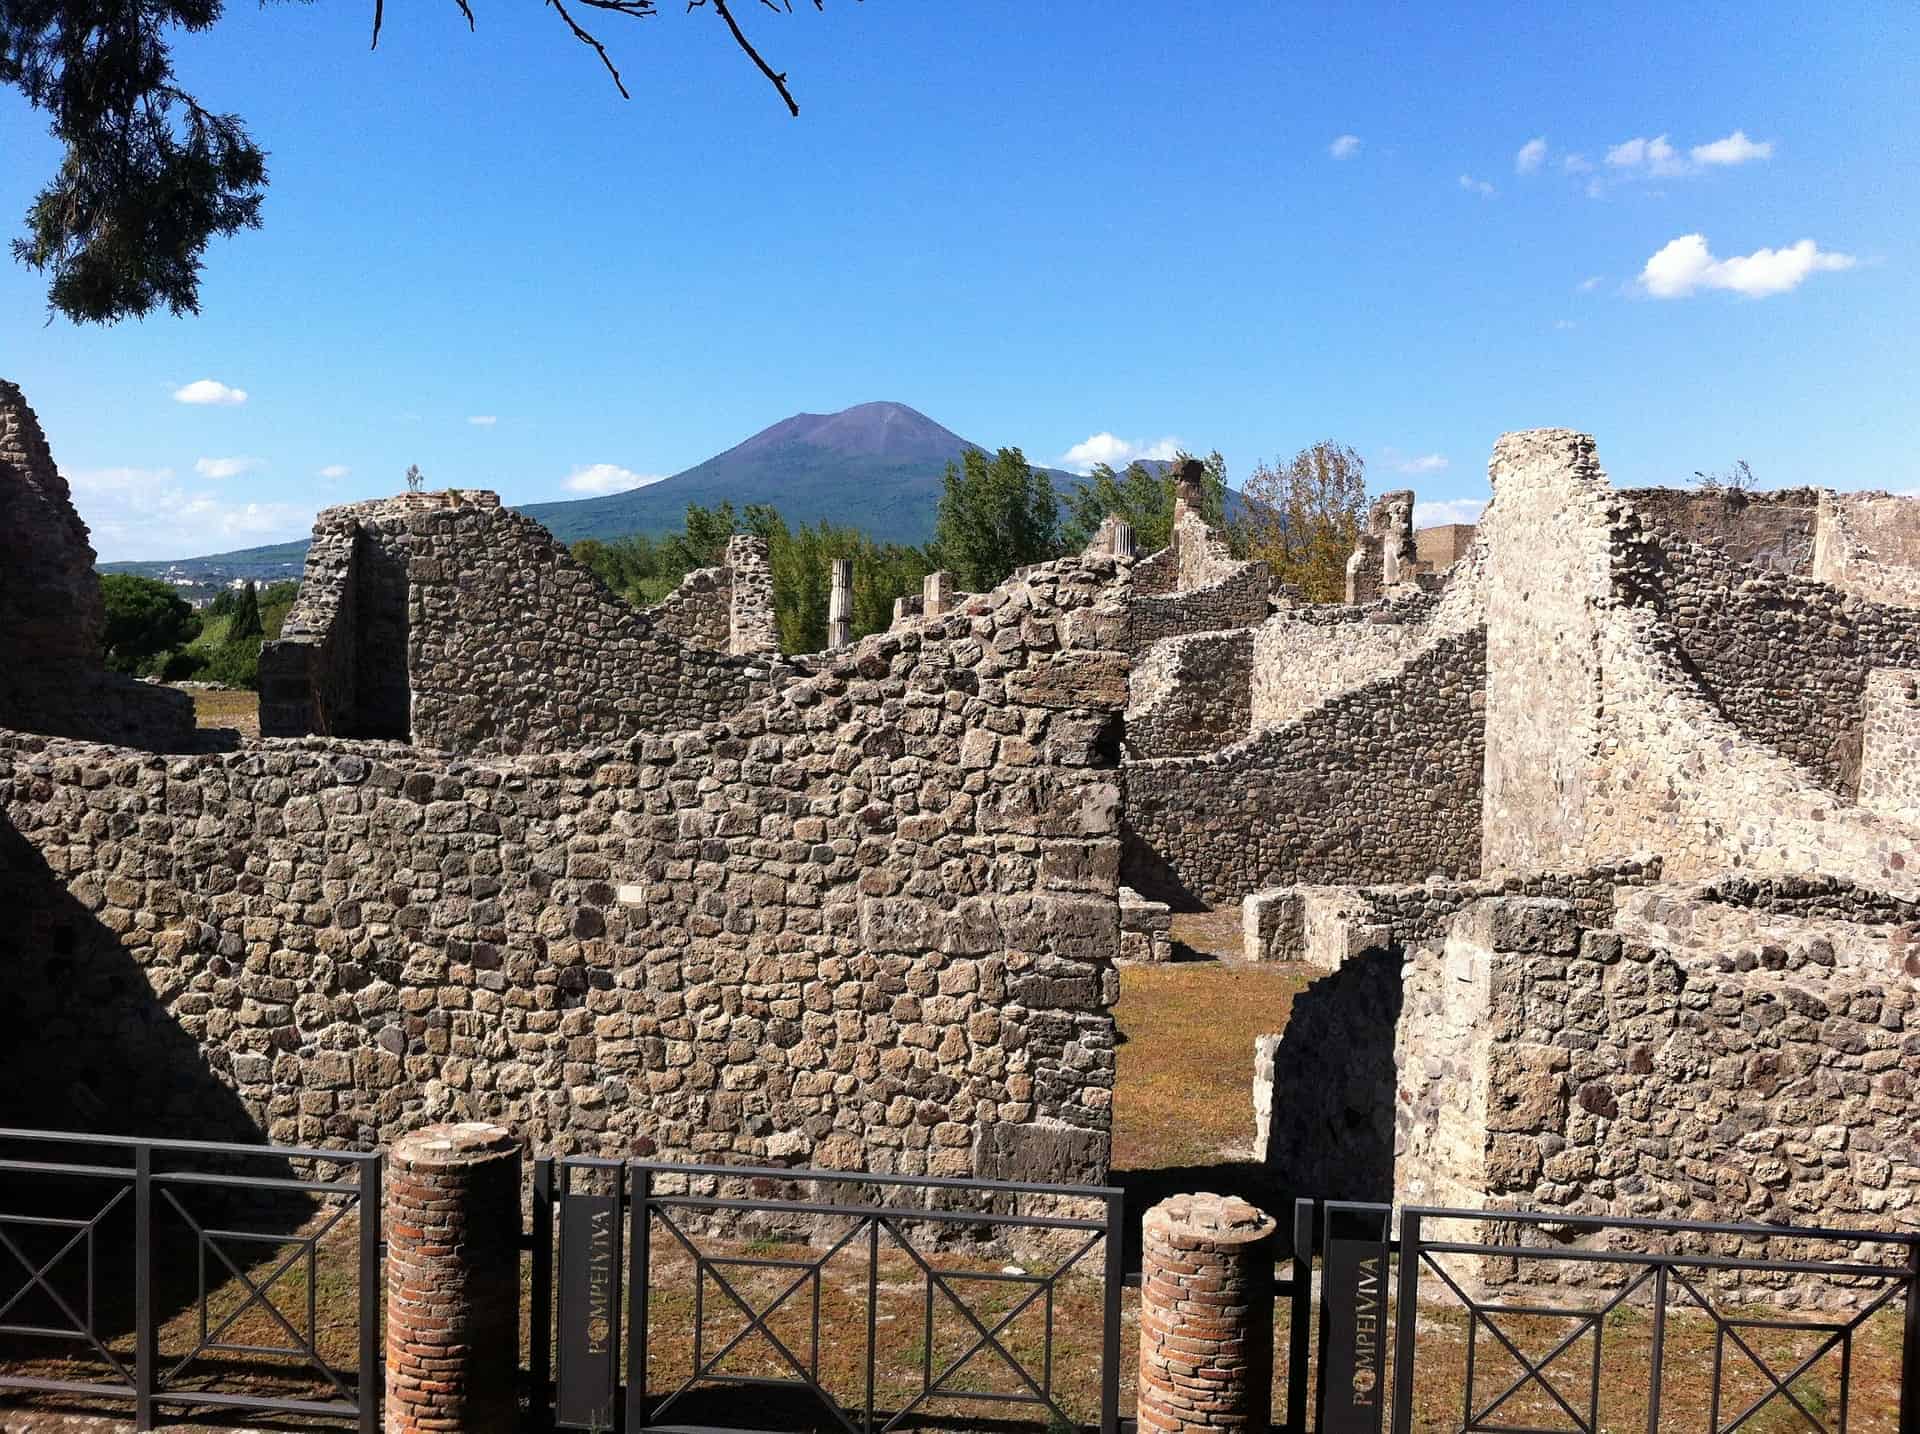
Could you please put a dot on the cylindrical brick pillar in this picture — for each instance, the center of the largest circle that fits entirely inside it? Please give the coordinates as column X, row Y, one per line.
column 1206, row 1316
column 453, row 1280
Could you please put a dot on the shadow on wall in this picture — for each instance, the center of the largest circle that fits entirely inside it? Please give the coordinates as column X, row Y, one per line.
column 87, row 1046
column 1330, row 1131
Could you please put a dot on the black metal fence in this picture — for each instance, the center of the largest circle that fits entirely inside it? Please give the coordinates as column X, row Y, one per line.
column 189, row 1274
column 738, row 1250
column 1624, row 1266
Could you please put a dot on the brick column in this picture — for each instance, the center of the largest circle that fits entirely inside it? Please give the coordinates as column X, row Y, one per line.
column 1206, row 1316
column 453, row 1280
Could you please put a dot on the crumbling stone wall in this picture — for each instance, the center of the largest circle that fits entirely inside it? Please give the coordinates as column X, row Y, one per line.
column 1191, row 694
column 1784, row 658
column 1771, row 529
column 1303, row 657
column 868, row 922
column 52, row 676
column 472, row 630
column 1441, row 546
column 1380, row 784
column 1323, row 925
column 1195, row 584
column 1554, row 1069
column 1603, row 737
column 1385, row 554
column 1890, row 745
column 1868, row 544
column 727, row 607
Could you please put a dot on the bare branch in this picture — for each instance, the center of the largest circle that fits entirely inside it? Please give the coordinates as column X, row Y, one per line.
column 584, row 38
column 778, row 79
column 467, row 10
column 379, row 14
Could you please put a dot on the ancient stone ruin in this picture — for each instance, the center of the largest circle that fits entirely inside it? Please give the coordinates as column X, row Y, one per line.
column 1598, row 822
column 52, row 675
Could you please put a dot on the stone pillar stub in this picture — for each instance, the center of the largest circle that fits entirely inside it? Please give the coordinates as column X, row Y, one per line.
column 840, row 604
column 452, row 1221
column 1206, row 1315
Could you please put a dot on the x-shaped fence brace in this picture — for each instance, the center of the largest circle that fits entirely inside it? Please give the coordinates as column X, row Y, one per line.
column 1591, row 1320
column 257, row 1294
column 37, row 1277
column 809, row 1273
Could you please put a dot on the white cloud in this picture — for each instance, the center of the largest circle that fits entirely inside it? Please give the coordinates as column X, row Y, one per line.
column 1736, row 148
column 1575, row 163
column 224, row 467
column 1686, row 265
column 1651, row 156
column 1587, row 286
column 1425, row 463
column 1476, row 186
column 209, row 390
column 139, row 513
column 1565, row 324
column 483, row 420
column 1116, row 452
column 599, row 478
column 1532, row 155
column 335, row 470
column 1441, row 511
column 1345, row 146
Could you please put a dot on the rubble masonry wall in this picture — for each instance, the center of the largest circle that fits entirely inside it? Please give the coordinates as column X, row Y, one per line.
column 869, row 922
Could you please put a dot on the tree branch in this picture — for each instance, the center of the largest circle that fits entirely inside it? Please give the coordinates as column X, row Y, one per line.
column 778, row 79
column 587, row 39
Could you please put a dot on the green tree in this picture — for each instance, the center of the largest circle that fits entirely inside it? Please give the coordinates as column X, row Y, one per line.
column 147, row 175
column 996, row 514
column 246, row 616
column 146, row 620
column 1143, row 497
column 802, row 581
column 1304, row 518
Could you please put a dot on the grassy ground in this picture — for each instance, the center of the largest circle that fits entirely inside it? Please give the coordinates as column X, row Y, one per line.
column 238, row 710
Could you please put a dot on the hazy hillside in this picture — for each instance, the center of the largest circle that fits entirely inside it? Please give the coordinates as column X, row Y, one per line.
column 875, row 466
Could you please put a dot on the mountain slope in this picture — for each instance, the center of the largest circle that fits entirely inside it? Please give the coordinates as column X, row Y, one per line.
column 875, row 466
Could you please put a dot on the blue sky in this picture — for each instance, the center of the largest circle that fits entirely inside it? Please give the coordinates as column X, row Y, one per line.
column 1038, row 221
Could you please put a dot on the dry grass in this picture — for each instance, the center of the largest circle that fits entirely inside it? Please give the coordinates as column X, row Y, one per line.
column 1183, row 1095
column 238, row 710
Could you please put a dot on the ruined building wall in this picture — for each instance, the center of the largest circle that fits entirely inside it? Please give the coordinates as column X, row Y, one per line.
column 1890, row 748
column 52, row 676
column 1785, row 659
column 1554, row 1069
column 472, row 630
column 1868, row 544
column 1381, row 783
column 1191, row 694
column 1386, row 554
column 727, row 607
column 868, row 922
column 1195, row 584
column 1602, row 740
column 1773, row 530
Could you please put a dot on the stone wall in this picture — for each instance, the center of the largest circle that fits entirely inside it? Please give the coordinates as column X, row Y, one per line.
column 727, row 607
column 1323, row 925
column 868, row 922
column 1440, row 547
column 1890, row 745
column 1785, row 659
column 471, row 629
column 1303, row 657
column 1868, row 544
column 1195, row 584
column 1385, row 554
column 1191, row 694
column 1380, row 784
column 1550, row 1069
column 1773, row 530
column 1602, row 736
column 52, row 677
